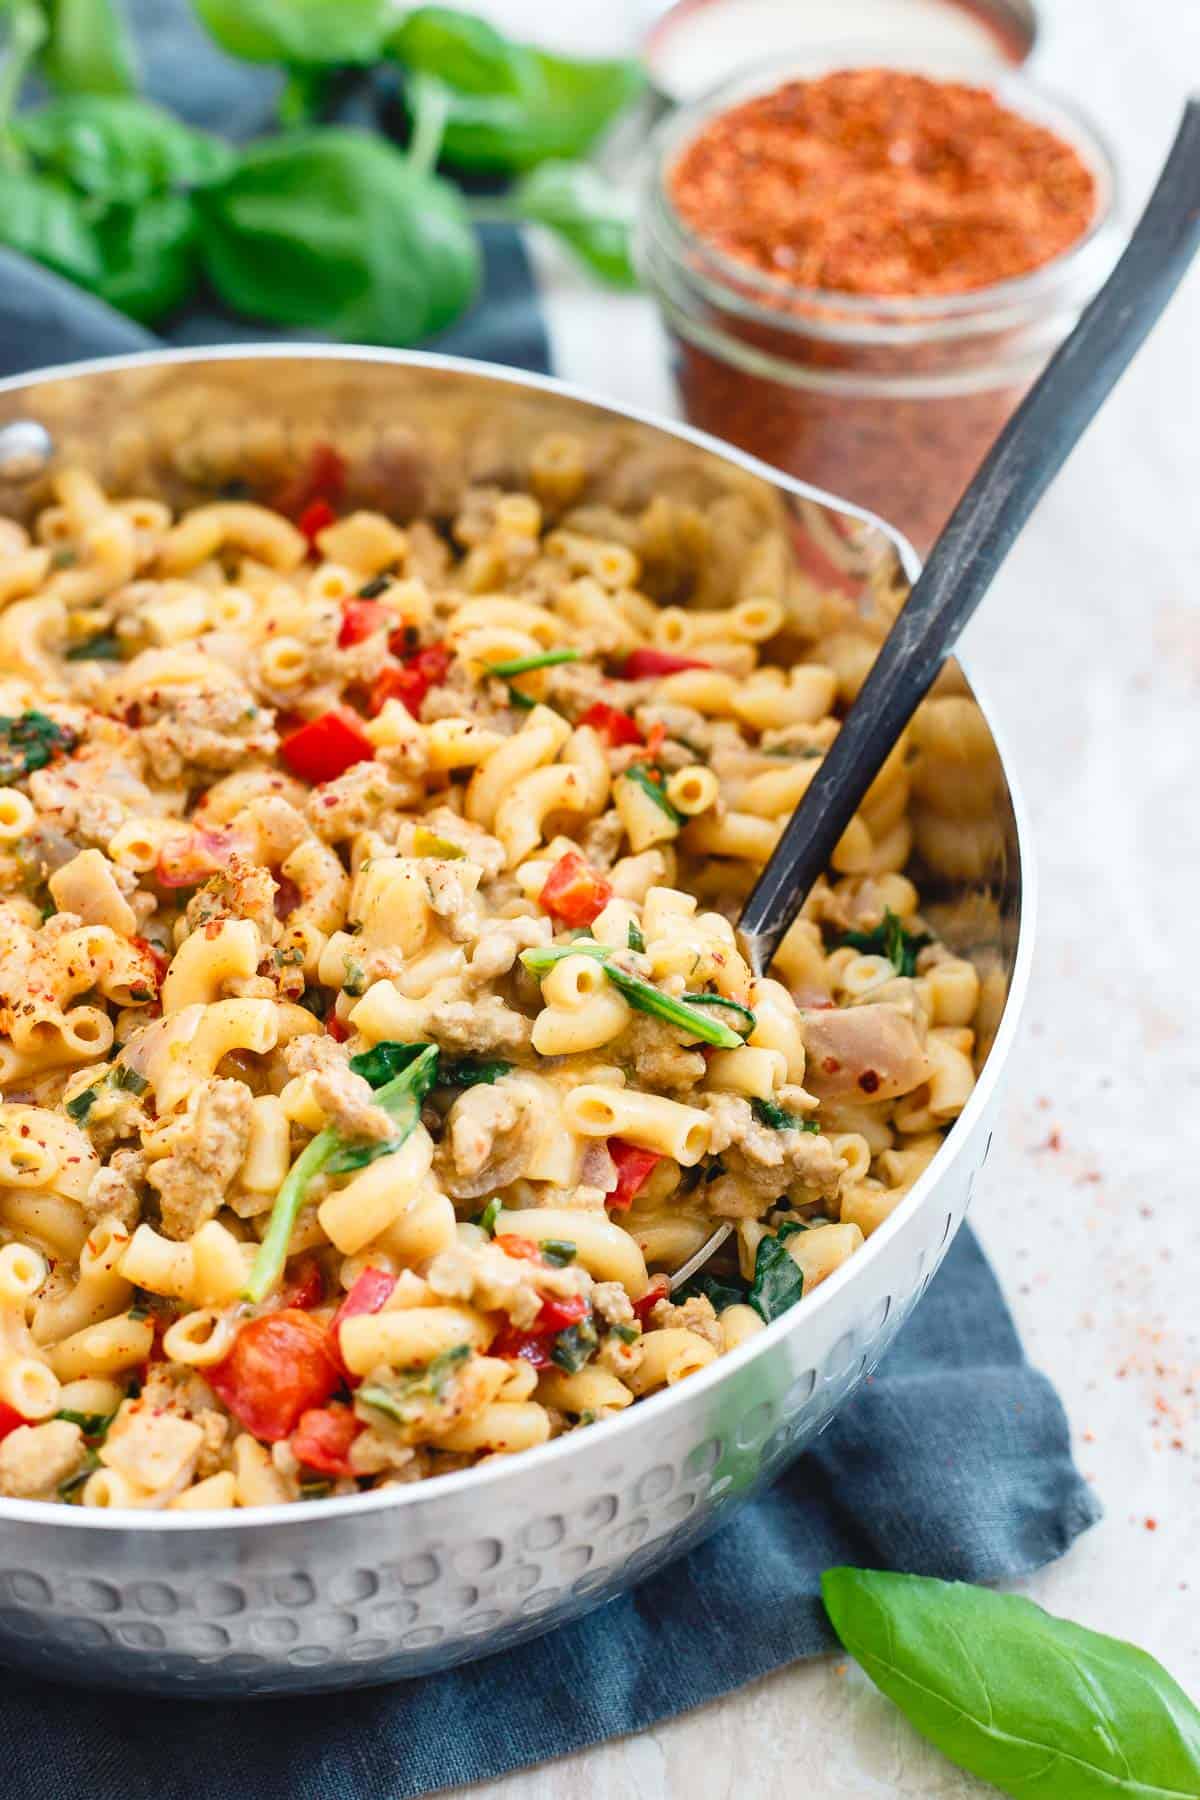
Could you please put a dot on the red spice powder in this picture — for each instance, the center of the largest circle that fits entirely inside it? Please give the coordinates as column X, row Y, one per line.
column 874, row 181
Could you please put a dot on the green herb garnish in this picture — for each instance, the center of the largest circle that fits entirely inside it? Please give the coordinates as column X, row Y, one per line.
column 428, row 843
column 80, row 1105
column 524, row 665
column 778, row 1281
column 371, row 590
column 891, row 940
column 558, row 1252
column 29, row 742
column 127, row 1079
column 486, row 1220
column 712, row 1288
column 401, row 1099
column 634, row 937
column 640, row 994
column 316, row 1001
column 641, row 777
column 354, row 980
column 626, row 1334
column 92, row 1425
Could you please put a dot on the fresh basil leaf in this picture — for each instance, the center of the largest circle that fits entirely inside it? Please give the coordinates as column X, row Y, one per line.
column 88, row 49
column 1038, row 1706
column 299, row 33
column 120, row 148
column 590, row 215
column 304, row 96
column 42, row 218
column 510, row 106
column 471, row 1071
column 889, row 939
column 384, row 1060
column 149, row 260
column 333, row 228
column 778, row 1282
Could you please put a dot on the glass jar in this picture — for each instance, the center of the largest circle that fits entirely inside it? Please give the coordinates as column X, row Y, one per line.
column 892, row 402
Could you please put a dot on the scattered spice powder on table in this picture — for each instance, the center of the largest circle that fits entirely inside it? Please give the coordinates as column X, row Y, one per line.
column 909, row 197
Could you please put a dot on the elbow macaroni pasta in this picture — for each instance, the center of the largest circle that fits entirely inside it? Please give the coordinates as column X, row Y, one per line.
column 318, row 808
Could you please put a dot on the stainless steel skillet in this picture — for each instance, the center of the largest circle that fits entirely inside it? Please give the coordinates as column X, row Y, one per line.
column 385, row 1585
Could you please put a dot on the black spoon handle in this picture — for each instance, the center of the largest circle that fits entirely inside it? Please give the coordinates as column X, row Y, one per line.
column 1008, row 485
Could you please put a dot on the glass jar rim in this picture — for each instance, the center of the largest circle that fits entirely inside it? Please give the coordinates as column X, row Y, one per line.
column 893, row 318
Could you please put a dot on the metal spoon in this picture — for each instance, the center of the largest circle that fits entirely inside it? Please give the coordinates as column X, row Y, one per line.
column 1008, row 485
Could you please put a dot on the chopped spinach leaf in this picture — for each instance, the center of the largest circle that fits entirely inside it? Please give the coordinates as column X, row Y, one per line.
column 384, row 1060
column 557, row 1252
column 378, row 584
column 712, row 1287
column 769, row 1112
column 634, row 939
column 70, row 1487
column 92, row 1425
column 574, row 1346
column 889, row 939
column 29, row 742
column 128, row 1080
column 778, row 1282
column 104, row 647
column 472, row 1071
column 316, row 1001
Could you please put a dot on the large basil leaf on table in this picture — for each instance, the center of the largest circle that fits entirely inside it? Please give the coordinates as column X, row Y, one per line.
column 87, row 48
column 121, row 149
column 1042, row 1708
column 148, row 255
column 335, row 229
column 299, row 33
column 510, row 106
column 42, row 218
column 575, row 201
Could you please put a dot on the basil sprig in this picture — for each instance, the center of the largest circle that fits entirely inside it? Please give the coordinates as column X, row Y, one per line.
column 329, row 1152
column 1038, row 1706
column 640, row 994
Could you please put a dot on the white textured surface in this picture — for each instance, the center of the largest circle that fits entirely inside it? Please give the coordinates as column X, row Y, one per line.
column 1089, row 646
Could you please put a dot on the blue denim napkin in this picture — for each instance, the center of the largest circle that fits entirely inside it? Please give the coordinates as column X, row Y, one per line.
column 954, row 1460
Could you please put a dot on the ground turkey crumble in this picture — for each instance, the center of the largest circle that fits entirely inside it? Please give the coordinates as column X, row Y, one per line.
column 761, row 1165
column 205, row 1156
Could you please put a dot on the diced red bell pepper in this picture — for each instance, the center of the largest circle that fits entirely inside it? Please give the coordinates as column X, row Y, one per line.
column 573, row 892
column 190, row 858
column 10, row 1419
column 523, row 1346
column 279, row 1368
column 558, row 1313
column 317, row 516
column 323, row 479
column 306, row 1285
column 640, row 663
column 521, row 1247
column 617, row 726
column 370, row 1294
column 417, row 673
column 326, row 747
column 634, row 1167
column 338, row 1031
column 659, row 1289
column 360, row 618
column 323, row 1438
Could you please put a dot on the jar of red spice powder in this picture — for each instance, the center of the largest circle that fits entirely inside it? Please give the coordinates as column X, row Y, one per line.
column 863, row 268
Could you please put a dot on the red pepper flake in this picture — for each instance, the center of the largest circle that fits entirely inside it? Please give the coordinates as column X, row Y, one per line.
column 1151, row 1524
